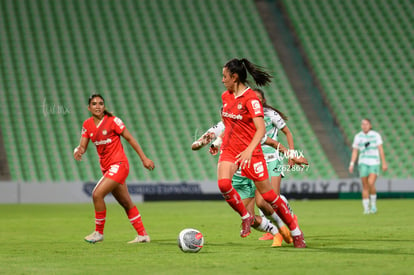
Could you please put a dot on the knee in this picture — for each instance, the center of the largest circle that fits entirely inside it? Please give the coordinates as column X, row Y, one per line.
column 224, row 185
column 96, row 196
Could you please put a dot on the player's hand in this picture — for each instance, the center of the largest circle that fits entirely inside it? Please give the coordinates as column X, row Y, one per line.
column 78, row 152
column 384, row 166
column 149, row 164
column 291, row 162
column 300, row 161
column 243, row 159
column 213, row 150
column 203, row 141
column 351, row 169
column 207, row 138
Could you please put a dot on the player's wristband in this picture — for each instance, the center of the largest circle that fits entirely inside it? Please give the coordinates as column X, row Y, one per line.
column 217, row 142
column 351, row 163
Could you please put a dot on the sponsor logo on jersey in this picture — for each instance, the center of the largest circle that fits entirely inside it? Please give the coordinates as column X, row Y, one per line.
column 258, row 168
column 114, row 169
column 256, row 107
column 119, row 122
column 231, row 115
column 103, row 142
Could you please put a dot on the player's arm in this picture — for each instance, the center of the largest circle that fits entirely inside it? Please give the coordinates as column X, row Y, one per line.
column 81, row 148
column 289, row 138
column 279, row 147
column 245, row 156
column 214, row 148
column 205, row 139
column 353, row 159
column 275, row 144
column 149, row 164
column 208, row 136
column 382, row 155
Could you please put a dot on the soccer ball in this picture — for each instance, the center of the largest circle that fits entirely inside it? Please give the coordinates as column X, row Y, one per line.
column 190, row 240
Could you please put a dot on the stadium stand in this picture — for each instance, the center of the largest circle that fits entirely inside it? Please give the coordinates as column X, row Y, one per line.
column 362, row 53
column 158, row 65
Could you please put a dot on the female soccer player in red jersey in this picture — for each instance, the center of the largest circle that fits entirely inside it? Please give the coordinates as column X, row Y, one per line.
column 242, row 115
column 104, row 130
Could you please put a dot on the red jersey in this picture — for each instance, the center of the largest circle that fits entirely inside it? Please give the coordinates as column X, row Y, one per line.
column 237, row 114
column 106, row 137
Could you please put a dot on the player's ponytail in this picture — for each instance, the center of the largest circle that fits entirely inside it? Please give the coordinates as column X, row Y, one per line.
column 265, row 105
column 242, row 66
column 260, row 76
column 107, row 113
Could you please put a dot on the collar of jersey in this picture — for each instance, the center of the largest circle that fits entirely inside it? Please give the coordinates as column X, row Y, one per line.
column 242, row 93
column 100, row 122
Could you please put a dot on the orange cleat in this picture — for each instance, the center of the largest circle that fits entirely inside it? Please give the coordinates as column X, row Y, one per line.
column 277, row 240
column 266, row 236
column 284, row 231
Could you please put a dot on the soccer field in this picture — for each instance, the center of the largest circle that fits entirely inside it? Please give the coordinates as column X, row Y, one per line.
column 48, row 239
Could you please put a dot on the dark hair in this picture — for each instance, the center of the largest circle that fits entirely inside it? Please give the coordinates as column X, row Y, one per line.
column 98, row 95
column 265, row 105
column 367, row 119
column 242, row 66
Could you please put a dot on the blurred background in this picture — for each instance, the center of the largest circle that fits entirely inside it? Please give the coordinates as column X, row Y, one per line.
column 158, row 64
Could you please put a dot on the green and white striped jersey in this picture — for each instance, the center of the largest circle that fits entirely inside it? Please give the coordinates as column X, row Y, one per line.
column 367, row 144
column 273, row 122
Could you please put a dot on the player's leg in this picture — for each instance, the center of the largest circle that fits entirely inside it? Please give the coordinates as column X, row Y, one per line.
column 275, row 176
column 121, row 194
column 280, row 207
column 246, row 188
column 363, row 172
column 102, row 188
column 372, row 177
column 225, row 171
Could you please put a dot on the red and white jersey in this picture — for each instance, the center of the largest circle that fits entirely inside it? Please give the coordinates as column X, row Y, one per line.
column 106, row 137
column 237, row 115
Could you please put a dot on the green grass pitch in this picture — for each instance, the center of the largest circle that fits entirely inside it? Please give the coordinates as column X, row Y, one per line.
column 48, row 239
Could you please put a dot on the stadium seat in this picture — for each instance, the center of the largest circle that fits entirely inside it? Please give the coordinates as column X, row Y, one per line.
column 158, row 65
column 371, row 64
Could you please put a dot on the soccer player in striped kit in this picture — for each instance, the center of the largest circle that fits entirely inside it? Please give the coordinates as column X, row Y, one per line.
column 274, row 122
column 242, row 115
column 369, row 144
column 105, row 130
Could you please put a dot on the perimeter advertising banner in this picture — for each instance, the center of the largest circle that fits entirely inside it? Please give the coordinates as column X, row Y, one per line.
column 81, row 192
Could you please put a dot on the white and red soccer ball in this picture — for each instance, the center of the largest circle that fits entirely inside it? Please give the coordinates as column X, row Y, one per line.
column 190, row 240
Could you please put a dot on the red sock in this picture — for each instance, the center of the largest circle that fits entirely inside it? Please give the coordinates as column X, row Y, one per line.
column 100, row 221
column 136, row 221
column 232, row 197
column 280, row 208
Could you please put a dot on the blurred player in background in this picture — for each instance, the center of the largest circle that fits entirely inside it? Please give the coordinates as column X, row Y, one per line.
column 275, row 121
column 242, row 115
column 104, row 130
column 246, row 188
column 369, row 145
